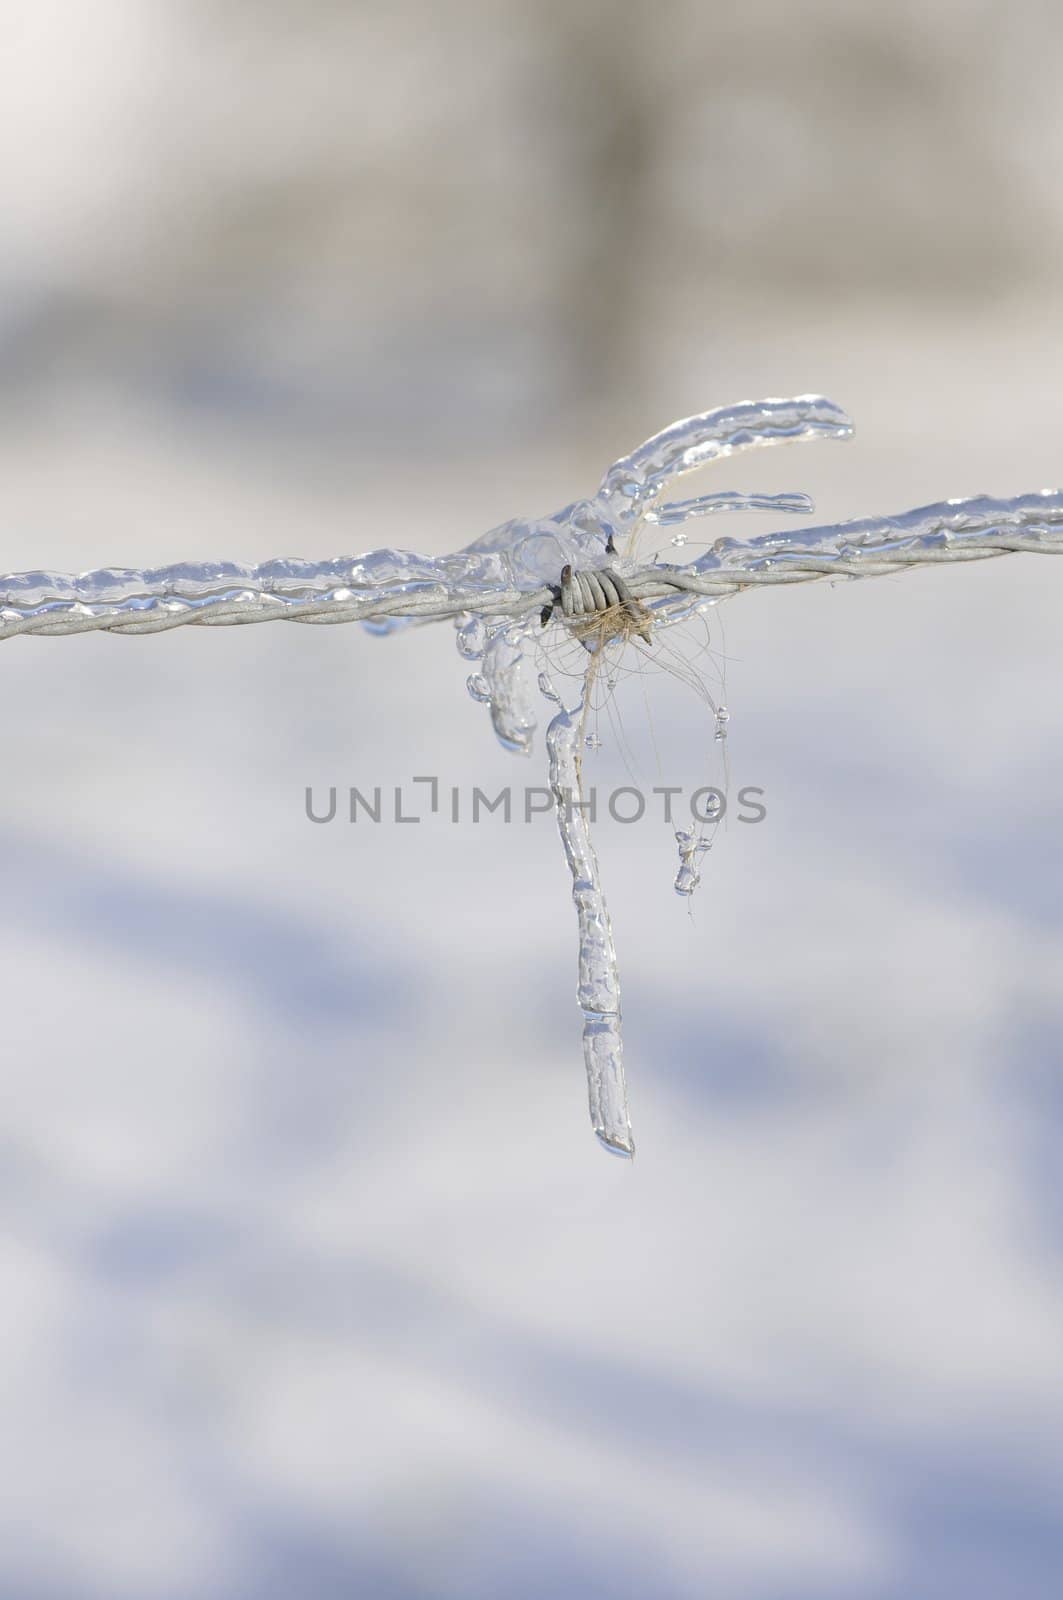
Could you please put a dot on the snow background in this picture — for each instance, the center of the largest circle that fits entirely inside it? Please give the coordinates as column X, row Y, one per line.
column 314, row 1279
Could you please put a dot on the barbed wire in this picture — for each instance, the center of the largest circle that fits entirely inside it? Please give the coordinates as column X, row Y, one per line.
column 586, row 550
column 426, row 589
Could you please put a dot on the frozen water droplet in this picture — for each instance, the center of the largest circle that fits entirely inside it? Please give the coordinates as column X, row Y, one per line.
column 691, row 847
column 723, row 717
column 471, row 638
column 593, row 742
column 679, row 540
column 478, row 687
column 547, row 690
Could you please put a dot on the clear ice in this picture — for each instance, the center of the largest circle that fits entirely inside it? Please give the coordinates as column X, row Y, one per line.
column 495, row 588
column 692, row 845
column 598, row 990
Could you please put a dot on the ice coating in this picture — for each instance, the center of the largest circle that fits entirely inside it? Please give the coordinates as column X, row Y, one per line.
column 708, row 505
column 691, row 847
column 508, row 694
column 535, row 551
column 495, row 588
column 635, row 480
column 471, row 637
column 380, row 587
column 598, row 993
column 505, row 572
column 947, row 531
column 509, row 571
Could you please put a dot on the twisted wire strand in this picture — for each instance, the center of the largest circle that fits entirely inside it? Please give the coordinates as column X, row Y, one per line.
column 428, row 589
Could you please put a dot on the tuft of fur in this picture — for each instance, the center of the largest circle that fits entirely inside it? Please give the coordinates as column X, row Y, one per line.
column 627, row 621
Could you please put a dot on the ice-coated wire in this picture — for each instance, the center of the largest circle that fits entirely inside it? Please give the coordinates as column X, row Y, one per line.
column 427, row 589
column 500, row 588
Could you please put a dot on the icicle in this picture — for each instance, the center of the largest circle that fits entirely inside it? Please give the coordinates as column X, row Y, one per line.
column 598, row 994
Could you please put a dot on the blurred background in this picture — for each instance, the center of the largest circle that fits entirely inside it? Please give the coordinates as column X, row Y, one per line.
column 314, row 1280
